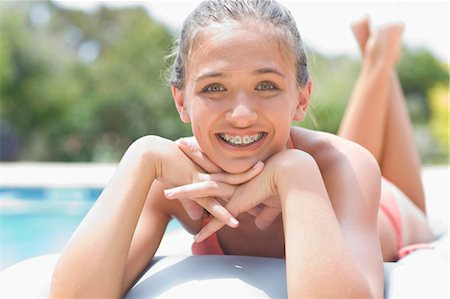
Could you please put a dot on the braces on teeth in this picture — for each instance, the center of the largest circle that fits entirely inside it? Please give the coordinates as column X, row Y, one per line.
column 238, row 140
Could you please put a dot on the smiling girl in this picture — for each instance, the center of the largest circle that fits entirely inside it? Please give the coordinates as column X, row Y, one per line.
column 241, row 77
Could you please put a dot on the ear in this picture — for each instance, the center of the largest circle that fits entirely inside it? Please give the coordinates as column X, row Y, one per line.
column 180, row 103
column 304, row 97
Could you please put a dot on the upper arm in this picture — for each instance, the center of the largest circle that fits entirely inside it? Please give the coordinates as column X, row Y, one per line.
column 353, row 183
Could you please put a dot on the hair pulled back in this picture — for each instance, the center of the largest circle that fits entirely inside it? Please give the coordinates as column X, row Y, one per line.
column 222, row 11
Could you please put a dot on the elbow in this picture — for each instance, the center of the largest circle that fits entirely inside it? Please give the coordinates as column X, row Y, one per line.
column 360, row 290
column 60, row 287
column 348, row 285
column 57, row 289
column 350, row 292
column 56, row 284
column 65, row 284
column 63, row 287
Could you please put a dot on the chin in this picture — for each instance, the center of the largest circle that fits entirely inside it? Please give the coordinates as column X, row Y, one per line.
column 237, row 166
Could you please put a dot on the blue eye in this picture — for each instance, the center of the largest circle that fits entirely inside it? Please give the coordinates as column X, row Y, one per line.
column 213, row 88
column 266, row 86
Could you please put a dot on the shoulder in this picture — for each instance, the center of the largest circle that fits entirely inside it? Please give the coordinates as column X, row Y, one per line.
column 341, row 162
column 329, row 149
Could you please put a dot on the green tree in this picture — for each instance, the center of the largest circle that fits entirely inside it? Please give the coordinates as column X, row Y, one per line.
column 439, row 120
column 333, row 79
column 82, row 85
column 419, row 70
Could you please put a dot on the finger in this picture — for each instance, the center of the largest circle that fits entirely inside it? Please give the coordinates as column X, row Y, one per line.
column 245, row 198
column 192, row 208
column 200, row 190
column 194, row 153
column 256, row 210
column 233, row 206
column 213, row 226
column 218, row 211
column 237, row 179
column 266, row 217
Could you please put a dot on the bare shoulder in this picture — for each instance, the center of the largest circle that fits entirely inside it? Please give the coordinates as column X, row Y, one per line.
column 344, row 165
column 328, row 149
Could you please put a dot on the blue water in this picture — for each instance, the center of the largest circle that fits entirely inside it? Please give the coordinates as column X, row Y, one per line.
column 36, row 221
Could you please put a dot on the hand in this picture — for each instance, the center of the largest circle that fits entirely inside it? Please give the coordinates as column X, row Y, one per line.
column 264, row 213
column 260, row 189
column 213, row 178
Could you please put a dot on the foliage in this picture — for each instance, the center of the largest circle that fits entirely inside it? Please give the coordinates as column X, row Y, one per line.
column 331, row 90
column 439, row 121
column 419, row 71
column 81, row 86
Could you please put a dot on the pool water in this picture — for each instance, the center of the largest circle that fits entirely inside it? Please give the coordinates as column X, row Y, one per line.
column 36, row 221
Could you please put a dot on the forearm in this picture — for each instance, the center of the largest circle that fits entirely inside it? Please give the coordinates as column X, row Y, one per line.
column 93, row 263
column 319, row 263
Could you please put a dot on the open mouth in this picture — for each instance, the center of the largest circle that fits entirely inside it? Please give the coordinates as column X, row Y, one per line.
column 241, row 141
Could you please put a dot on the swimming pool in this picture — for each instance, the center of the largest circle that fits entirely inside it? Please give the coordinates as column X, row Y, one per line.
column 36, row 221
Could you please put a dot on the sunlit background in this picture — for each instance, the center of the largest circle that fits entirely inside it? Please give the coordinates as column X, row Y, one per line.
column 80, row 80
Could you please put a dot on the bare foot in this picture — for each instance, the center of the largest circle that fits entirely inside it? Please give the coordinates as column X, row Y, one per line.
column 361, row 30
column 385, row 44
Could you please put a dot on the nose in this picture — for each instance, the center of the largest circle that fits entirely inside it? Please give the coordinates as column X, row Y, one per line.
column 242, row 113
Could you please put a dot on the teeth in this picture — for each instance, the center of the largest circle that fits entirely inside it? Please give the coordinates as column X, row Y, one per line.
column 241, row 140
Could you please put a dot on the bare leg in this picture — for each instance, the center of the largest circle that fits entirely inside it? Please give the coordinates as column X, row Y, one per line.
column 401, row 163
column 377, row 117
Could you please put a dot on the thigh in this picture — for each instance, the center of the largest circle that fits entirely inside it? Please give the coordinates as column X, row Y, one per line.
column 388, row 239
column 415, row 227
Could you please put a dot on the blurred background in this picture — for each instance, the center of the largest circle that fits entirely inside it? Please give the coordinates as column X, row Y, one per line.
column 79, row 81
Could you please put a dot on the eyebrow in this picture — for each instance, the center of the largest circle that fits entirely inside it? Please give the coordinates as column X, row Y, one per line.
column 265, row 70
column 211, row 75
column 268, row 70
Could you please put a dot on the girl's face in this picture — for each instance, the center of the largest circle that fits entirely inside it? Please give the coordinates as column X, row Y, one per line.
column 240, row 94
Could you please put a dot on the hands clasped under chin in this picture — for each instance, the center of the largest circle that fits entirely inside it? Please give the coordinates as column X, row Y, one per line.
column 253, row 192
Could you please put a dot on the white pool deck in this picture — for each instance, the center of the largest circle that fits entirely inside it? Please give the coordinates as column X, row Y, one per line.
column 56, row 175
column 93, row 175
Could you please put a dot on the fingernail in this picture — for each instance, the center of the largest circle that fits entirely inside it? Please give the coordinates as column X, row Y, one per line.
column 168, row 194
column 194, row 216
column 259, row 164
column 183, row 142
column 196, row 238
column 234, row 222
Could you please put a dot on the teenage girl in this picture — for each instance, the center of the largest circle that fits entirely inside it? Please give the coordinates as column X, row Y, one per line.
column 240, row 77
